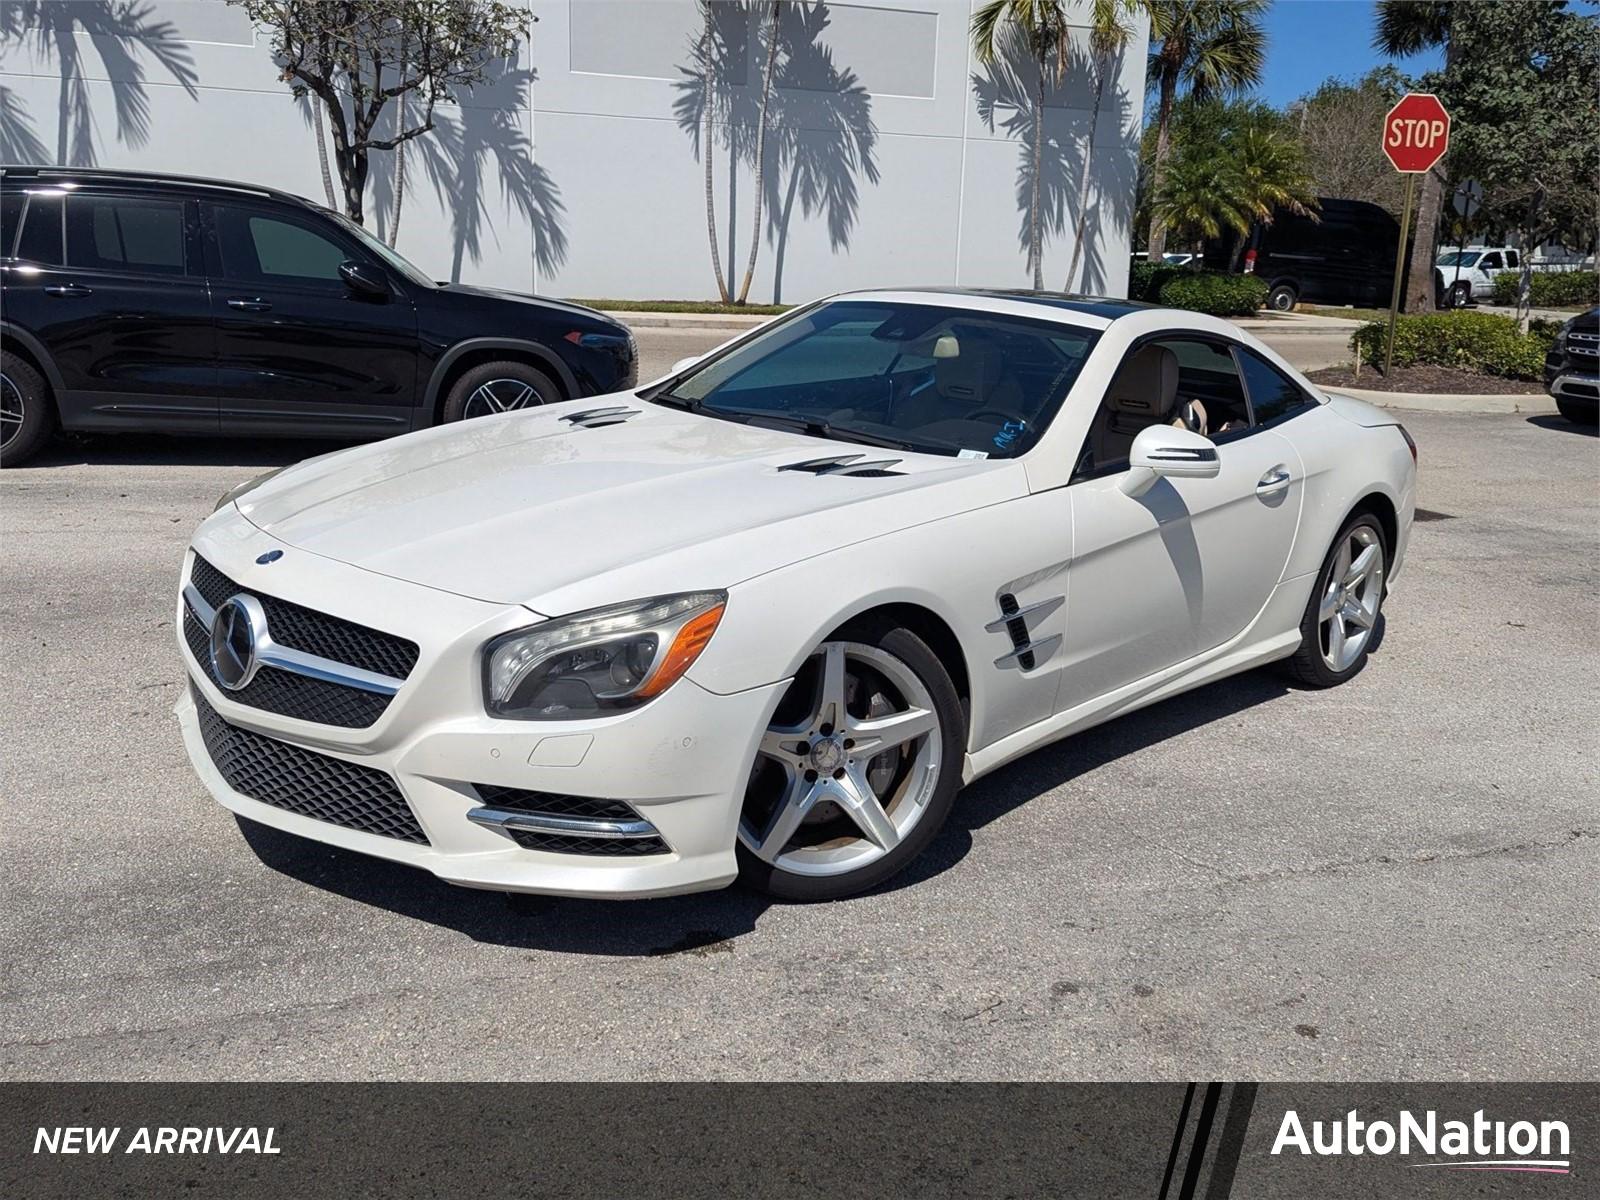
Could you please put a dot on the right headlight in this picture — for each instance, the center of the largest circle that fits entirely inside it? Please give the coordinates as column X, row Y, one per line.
column 601, row 661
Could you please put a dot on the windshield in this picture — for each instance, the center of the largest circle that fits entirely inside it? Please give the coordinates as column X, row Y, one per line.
column 1460, row 258
column 387, row 253
column 917, row 376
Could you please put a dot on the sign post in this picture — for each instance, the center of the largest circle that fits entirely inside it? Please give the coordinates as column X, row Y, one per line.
column 1467, row 200
column 1416, row 133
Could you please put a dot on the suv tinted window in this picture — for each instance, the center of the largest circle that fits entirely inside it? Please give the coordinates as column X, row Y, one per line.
column 1491, row 262
column 10, row 217
column 259, row 246
column 1273, row 395
column 41, row 230
column 120, row 233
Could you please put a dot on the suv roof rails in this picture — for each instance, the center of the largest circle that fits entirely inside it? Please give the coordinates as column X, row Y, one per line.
column 156, row 178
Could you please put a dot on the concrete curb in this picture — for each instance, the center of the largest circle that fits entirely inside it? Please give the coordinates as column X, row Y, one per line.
column 732, row 322
column 1529, row 405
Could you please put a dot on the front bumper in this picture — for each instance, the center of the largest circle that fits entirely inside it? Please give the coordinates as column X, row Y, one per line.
column 681, row 762
column 1580, row 387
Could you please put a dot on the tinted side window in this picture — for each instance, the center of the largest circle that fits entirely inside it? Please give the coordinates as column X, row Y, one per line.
column 1491, row 262
column 1273, row 395
column 256, row 245
column 41, row 231
column 118, row 233
column 10, row 218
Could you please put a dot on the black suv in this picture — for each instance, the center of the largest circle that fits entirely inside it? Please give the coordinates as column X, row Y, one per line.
column 142, row 302
column 1572, row 368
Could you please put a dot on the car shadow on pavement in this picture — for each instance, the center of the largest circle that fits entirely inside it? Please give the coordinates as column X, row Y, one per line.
column 706, row 922
column 1545, row 421
column 153, row 450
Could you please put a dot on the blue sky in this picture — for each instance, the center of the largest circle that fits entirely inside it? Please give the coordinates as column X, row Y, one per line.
column 1309, row 40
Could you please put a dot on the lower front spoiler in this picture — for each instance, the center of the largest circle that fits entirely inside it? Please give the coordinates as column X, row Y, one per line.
column 481, row 858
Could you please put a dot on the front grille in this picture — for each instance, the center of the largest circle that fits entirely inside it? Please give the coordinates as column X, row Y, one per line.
column 563, row 843
column 305, row 782
column 314, row 632
column 290, row 695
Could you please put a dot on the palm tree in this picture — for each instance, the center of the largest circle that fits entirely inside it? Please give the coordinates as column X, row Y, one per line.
column 1227, row 186
column 1197, row 201
column 1407, row 27
column 761, row 147
column 1215, row 47
column 1107, row 36
column 1272, row 173
column 1043, row 27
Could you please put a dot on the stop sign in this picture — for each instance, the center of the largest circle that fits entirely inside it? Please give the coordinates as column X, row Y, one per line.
column 1416, row 133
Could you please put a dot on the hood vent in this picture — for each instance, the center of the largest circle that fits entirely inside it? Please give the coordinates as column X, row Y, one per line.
column 846, row 464
column 599, row 418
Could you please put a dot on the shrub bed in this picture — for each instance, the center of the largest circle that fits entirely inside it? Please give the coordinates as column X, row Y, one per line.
column 1549, row 289
column 1483, row 342
column 1216, row 293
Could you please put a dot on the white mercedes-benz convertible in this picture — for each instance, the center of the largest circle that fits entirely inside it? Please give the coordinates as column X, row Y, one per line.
column 765, row 617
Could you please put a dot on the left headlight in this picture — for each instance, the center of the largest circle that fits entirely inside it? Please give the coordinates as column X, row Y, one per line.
column 249, row 485
column 600, row 661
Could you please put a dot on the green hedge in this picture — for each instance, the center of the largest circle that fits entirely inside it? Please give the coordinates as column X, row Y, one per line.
column 1548, row 289
column 1481, row 342
column 1216, row 293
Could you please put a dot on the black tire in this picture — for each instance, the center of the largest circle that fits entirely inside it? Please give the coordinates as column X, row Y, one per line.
column 465, row 399
column 1283, row 297
column 22, row 435
column 1307, row 666
column 1579, row 414
column 914, row 654
column 1460, row 296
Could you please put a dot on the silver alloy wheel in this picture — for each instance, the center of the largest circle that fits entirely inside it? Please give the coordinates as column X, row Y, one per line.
column 880, row 771
column 500, row 395
column 11, row 410
column 1351, row 594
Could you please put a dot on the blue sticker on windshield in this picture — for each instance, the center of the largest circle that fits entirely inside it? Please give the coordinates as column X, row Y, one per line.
column 1009, row 433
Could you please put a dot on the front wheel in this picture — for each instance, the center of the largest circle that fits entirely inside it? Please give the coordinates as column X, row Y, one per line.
column 499, row 387
column 1578, row 414
column 1341, row 618
column 857, row 770
column 1460, row 295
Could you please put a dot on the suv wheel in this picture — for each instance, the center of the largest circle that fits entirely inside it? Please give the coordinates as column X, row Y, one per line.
column 27, row 414
column 1460, row 295
column 498, row 387
column 1283, row 297
column 1577, row 413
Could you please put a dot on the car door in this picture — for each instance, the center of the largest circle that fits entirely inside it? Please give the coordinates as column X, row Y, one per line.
column 111, row 286
column 1187, row 565
column 299, row 351
column 1489, row 266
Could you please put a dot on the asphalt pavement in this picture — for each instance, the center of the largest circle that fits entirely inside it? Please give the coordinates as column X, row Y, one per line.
column 1395, row 879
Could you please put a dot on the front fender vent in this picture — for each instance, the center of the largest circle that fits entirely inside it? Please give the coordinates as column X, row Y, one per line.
column 599, row 418
column 1026, row 652
column 846, row 464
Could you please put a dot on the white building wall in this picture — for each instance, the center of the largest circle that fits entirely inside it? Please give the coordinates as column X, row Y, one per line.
column 571, row 174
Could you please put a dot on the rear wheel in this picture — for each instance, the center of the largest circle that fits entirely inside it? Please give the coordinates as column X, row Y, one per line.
column 1283, row 297
column 27, row 413
column 498, row 387
column 1341, row 618
column 857, row 770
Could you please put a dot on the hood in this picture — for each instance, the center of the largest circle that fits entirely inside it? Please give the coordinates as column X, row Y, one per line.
column 499, row 296
column 531, row 508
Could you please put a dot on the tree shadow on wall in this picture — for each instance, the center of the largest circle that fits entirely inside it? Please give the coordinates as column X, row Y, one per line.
column 821, row 135
column 467, row 149
column 1005, row 93
column 121, row 33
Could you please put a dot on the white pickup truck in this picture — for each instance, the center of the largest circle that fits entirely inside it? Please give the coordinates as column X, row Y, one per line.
column 1462, row 277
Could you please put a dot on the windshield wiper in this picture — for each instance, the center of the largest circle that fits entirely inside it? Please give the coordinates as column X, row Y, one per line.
column 821, row 427
column 684, row 403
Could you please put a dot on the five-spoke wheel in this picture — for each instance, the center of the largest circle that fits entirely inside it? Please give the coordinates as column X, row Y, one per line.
column 1340, row 625
column 498, row 387
column 857, row 769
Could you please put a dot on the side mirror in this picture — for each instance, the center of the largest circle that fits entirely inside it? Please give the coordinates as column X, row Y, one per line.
column 1168, row 450
column 363, row 278
column 683, row 364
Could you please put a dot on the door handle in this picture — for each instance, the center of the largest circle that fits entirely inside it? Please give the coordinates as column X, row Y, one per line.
column 254, row 304
column 68, row 289
column 1275, row 480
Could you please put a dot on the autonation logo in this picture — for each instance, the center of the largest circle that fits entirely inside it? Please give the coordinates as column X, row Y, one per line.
column 1476, row 1145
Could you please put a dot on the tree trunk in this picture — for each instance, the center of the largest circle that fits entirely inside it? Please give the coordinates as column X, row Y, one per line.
column 1525, row 246
column 1419, row 280
column 1035, row 249
column 322, row 151
column 399, row 174
column 705, row 153
column 761, row 148
column 1102, row 69
column 1157, row 244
